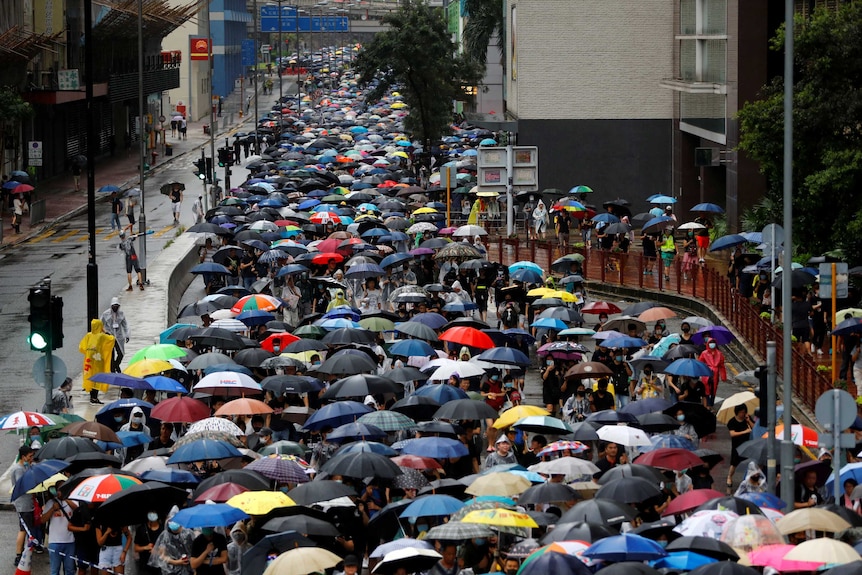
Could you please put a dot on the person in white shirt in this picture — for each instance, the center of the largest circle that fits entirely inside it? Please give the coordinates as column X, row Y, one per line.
column 56, row 514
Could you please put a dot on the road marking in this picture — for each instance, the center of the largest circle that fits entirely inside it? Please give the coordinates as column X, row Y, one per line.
column 41, row 237
column 164, row 230
column 66, row 236
column 112, row 235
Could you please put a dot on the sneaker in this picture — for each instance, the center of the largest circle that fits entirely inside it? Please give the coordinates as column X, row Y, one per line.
column 96, row 401
column 819, row 352
column 39, row 549
column 129, row 288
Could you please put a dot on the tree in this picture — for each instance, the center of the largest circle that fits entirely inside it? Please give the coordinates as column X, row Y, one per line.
column 484, row 21
column 417, row 57
column 827, row 118
column 13, row 110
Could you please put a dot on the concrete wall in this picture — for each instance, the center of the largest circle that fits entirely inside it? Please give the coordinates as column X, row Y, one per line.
column 183, row 253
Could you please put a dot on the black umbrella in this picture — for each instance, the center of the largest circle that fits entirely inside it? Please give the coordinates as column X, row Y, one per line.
column 252, row 357
column 445, row 486
column 406, row 374
column 705, row 546
column 385, row 524
column 209, row 228
column 297, row 384
column 629, row 490
column 252, row 480
column 548, row 493
column 65, row 447
column 461, row 409
column 130, row 506
column 699, row 416
column 417, row 330
column 364, row 464
column 756, row 450
column 656, row 529
column 218, row 338
column 629, row 568
column 360, row 385
column 680, row 351
column 638, row 308
column 578, row 531
column 581, row 431
column 199, row 308
column 319, row 490
column 723, row 568
column 632, row 470
column 657, row 422
column 567, row 314
column 729, row 503
column 610, row 417
column 710, row 457
column 170, row 186
column 92, row 459
column 347, row 364
column 798, row 280
column 849, row 515
column 256, row 559
column 601, row 511
column 443, row 428
column 301, row 524
column 416, row 407
column 304, row 344
column 345, row 336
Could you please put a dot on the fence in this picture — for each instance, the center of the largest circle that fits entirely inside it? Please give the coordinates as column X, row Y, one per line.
column 703, row 282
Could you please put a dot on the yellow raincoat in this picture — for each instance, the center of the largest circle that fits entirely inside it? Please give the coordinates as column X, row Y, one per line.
column 97, row 347
column 473, row 218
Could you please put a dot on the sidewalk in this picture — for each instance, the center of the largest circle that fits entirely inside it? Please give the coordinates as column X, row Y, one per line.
column 121, row 169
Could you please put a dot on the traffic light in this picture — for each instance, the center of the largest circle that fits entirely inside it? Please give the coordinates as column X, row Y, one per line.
column 200, row 169
column 56, row 322
column 209, row 171
column 224, row 157
column 40, row 318
column 760, row 373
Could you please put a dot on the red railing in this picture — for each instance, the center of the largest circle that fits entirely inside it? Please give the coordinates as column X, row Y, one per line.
column 702, row 282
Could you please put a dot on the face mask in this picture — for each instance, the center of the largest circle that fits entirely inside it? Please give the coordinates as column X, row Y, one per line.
column 238, row 537
column 549, row 362
column 495, row 377
column 647, row 372
column 118, row 418
column 478, row 542
column 619, row 358
column 152, row 516
column 686, row 329
column 422, row 528
column 173, row 526
column 680, row 417
column 662, row 543
column 581, row 394
column 712, row 346
column 53, row 491
column 137, row 419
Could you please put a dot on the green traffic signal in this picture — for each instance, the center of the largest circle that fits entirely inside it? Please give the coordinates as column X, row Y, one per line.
column 37, row 342
column 40, row 318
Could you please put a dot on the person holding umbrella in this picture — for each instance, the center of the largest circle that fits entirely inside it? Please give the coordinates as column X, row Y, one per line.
column 714, row 359
column 56, row 515
column 24, row 504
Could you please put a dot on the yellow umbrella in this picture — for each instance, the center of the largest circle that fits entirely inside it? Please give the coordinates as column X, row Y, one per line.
column 260, row 502
column 499, row 517
column 746, row 398
column 398, row 105
column 511, row 416
column 147, row 367
column 823, row 550
column 502, row 483
column 811, row 518
column 842, row 314
column 400, row 154
column 541, row 292
column 42, row 487
column 425, row 211
column 487, row 194
column 564, row 295
column 303, row 561
column 303, row 355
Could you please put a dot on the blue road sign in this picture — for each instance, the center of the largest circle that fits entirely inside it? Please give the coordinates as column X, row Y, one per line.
column 248, row 54
column 269, row 21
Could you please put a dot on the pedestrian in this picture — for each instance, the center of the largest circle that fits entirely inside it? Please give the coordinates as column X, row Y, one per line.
column 76, row 175
column 562, row 225
column 146, row 536
column 198, row 209
column 739, row 427
column 61, row 398
column 714, row 359
column 56, row 515
column 127, row 246
column 17, row 212
column 173, row 549
column 502, row 454
column 209, row 553
column 174, row 126
column 689, row 255
column 686, row 429
column 176, row 197
column 115, row 324
column 23, row 504
column 131, row 202
column 668, row 251
column 97, row 347
column 116, row 210
column 183, row 128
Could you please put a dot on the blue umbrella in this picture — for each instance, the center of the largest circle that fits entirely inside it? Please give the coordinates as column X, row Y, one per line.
column 36, row 474
column 395, row 259
column 170, row 476
column 688, row 367
column 683, row 561
column 343, row 312
column 625, row 341
column 550, row 323
column 336, row 414
column 848, row 326
column 526, row 265
column 728, row 241
column 644, row 406
column 662, row 199
column 165, row 336
column 556, row 563
column 355, row 430
column 254, row 317
column 432, row 506
column 232, row 367
column 669, row 441
column 11, row 184
column 505, row 355
column 435, row 447
column 441, row 393
column 133, row 438
column 109, row 189
column 526, row 275
column 210, row 268
column 337, row 323
column 209, row 515
column 105, row 416
column 363, row 271
column 606, row 218
column 430, row 319
column 203, row 449
column 707, row 207
column 411, row 348
column 516, row 331
column 657, row 221
column 121, row 380
column 772, row 501
column 291, row 269
column 462, row 306
column 628, row 547
column 367, row 447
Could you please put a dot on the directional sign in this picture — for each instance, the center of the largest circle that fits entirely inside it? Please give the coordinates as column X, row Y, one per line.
column 249, row 58
column 842, row 285
column 269, row 21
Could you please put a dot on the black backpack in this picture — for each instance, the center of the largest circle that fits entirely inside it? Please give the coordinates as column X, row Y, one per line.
column 510, row 317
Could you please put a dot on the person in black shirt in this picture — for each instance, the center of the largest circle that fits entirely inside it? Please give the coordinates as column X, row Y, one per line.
column 740, row 431
column 551, row 385
column 600, row 399
column 563, row 222
column 611, row 458
column 86, row 547
column 807, row 494
column 209, row 553
column 693, row 391
column 145, row 538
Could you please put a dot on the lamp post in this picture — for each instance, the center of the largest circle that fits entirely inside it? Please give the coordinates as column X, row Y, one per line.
column 278, row 55
column 142, row 221
column 255, row 38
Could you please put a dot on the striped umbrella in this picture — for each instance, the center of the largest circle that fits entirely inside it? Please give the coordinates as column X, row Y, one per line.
column 99, row 488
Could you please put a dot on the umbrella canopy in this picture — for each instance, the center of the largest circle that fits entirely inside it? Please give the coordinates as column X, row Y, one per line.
column 432, row 506
column 281, row 468
column 212, row 515
column 130, row 505
column 461, row 409
column 824, row 551
column 412, row 559
column 499, row 484
column 203, row 449
column 180, row 410
column 260, row 502
column 256, row 559
column 99, row 488
column 811, row 518
column 626, row 547
column 302, row 561
column 362, row 465
column 548, row 493
column 629, row 490
column 691, row 500
column 319, row 490
column 553, row 562
column 601, row 511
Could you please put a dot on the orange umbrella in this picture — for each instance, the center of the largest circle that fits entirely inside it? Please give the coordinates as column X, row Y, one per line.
column 244, row 406
column 656, row 313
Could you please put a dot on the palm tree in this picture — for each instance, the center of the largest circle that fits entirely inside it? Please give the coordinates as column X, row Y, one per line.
column 485, row 19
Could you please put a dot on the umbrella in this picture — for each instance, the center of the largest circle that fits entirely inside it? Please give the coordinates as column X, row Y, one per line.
column 699, row 416
column 705, row 546
column 359, row 386
column 773, row 556
column 544, row 562
column 418, row 329
column 432, row 506
column 416, row 462
column 217, row 424
column 824, row 551
column 412, row 559
column 227, row 383
column 688, row 367
column 577, row 531
column 683, row 561
column 131, row 505
column 601, row 511
column 243, row 406
column 468, row 336
column 281, row 468
column 572, row 467
column 203, row 449
column 588, row 369
column 811, row 518
column 626, row 547
column 736, row 504
column 91, row 430
column 543, row 424
column 513, row 415
column 725, row 413
column 100, row 487
column 319, row 490
column 25, row 420
column 347, row 364
column 435, row 447
column 260, row 502
column 171, row 476
column 707, row 523
column 302, row 561
column 362, row 465
column 461, row 409
column 457, row 531
column 628, row 490
column 500, row 484
column 657, row 422
column 416, row 407
column 211, row 515
column 623, row 435
column 180, row 410
column 37, row 474
column 66, row 447
column 256, row 559
column 691, row 500
column 387, row 420
column 442, row 393
column 499, row 517
column 547, row 493
column 355, row 430
column 670, row 458
column 336, row 414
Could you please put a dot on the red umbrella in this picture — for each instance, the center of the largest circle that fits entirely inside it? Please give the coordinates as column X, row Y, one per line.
column 325, row 218
column 221, row 492
column 329, row 245
column 673, row 458
column 181, row 410
column 469, row 336
column 416, row 462
column 281, row 339
column 325, row 258
column 691, row 500
column 22, row 189
column 598, row 307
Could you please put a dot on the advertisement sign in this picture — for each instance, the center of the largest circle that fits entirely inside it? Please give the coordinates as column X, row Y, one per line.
column 199, row 48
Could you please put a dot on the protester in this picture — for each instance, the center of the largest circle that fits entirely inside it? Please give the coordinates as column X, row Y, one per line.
column 115, row 324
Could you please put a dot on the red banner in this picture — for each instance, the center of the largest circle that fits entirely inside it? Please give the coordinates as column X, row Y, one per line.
column 200, row 48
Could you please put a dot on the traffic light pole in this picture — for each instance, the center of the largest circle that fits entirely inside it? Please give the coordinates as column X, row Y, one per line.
column 227, row 165
column 204, row 179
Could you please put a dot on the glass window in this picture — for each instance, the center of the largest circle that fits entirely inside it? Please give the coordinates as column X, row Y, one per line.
column 688, row 60
column 688, row 16
column 714, row 17
column 704, row 111
column 715, row 61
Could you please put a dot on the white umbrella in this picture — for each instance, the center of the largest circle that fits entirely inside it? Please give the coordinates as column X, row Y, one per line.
column 302, row 561
column 152, row 463
column 216, row 424
column 691, row 226
column 707, row 523
column 251, row 159
column 470, row 231
column 623, row 435
column 227, row 382
column 230, row 324
column 746, row 398
column 413, row 559
column 572, row 467
column 225, row 313
column 421, row 227
column 446, row 367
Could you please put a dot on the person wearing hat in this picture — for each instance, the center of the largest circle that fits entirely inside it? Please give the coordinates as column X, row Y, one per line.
column 114, row 323
column 265, row 435
column 502, row 455
column 127, row 246
column 351, row 565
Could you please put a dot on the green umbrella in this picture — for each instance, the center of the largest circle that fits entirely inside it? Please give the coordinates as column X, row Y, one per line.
column 377, row 324
column 309, row 332
column 387, row 420
column 163, row 351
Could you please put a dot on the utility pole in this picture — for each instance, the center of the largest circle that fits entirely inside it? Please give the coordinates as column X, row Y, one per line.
column 142, row 221
column 92, row 267
column 256, row 80
column 212, row 108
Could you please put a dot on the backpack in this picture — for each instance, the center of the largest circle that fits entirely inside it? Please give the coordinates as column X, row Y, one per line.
column 510, row 316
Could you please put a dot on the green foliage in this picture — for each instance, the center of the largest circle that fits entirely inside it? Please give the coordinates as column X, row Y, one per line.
column 12, row 107
column 827, row 148
column 417, row 57
column 484, row 20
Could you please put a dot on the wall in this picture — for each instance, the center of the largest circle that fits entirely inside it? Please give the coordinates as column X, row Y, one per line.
column 183, row 253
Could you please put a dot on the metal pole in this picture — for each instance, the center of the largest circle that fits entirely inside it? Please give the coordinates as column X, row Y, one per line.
column 49, row 357
column 278, row 56
column 510, row 220
column 834, row 322
column 299, row 67
column 92, row 267
column 142, row 221
column 211, row 65
column 836, row 432
column 256, row 78
column 787, row 483
column 770, row 399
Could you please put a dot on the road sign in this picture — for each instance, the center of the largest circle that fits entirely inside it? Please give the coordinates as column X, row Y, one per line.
column 842, row 285
column 290, row 22
column 837, row 408
column 34, row 152
column 60, row 371
column 774, row 240
column 494, row 172
column 248, row 56
column 447, row 176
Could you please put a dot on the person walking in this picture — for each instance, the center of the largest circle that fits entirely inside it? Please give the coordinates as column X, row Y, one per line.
column 127, row 246
column 97, row 347
column 668, row 251
column 115, row 324
column 61, row 398
column 540, row 221
column 17, row 212
column 198, row 209
column 24, row 506
column 714, row 359
column 183, row 128
column 176, row 196
column 116, row 210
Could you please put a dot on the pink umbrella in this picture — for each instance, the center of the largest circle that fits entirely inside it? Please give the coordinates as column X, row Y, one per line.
column 773, row 556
